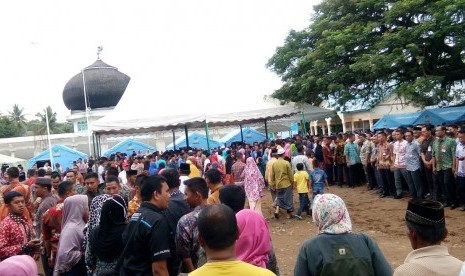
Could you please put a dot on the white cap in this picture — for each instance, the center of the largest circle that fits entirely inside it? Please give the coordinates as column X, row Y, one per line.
column 281, row 151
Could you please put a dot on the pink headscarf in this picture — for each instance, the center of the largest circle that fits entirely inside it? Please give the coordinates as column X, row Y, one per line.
column 253, row 180
column 254, row 243
column 72, row 235
column 20, row 265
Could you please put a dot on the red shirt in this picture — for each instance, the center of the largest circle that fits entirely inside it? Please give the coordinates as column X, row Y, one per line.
column 15, row 231
column 51, row 222
column 31, row 180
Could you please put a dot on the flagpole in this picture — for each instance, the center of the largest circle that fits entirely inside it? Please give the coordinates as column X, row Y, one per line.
column 48, row 138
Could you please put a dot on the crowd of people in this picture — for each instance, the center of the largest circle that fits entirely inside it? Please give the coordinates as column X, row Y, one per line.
column 200, row 212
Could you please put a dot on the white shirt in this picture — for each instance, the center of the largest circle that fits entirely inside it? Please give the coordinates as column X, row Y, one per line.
column 101, row 170
column 460, row 153
column 182, row 186
column 400, row 148
column 123, row 177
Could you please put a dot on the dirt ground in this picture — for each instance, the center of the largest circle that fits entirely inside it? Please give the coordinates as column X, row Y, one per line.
column 381, row 218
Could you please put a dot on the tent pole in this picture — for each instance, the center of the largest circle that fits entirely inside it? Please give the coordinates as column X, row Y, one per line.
column 174, row 139
column 304, row 127
column 208, row 135
column 266, row 129
column 242, row 135
column 99, row 152
column 94, row 146
column 187, row 136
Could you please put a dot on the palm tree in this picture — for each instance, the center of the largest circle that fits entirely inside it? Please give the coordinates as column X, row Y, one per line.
column 18, row 118
column 41, row 127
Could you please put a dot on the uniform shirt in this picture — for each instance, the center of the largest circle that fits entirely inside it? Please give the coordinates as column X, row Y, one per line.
column 460, row 153
column 187, row 243
column 15, row 231
column 427, row 148
column 399, row 148
column 351, row 151
column 412, row 156
column 301, row 180
column 149, row 242
column 444, row 152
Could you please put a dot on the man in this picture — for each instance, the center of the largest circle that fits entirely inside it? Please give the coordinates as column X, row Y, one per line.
column 426, row 158
column 91, row 182
column 365, row 157
column 417, row 135
column 385, row 164
column 460, row 166
column 352, row 158
column 237, row 169
column 123, row 177
column 113, row 187
column 443, row 165
column 132, row 175
column 328, row 158
column 426, row 229
column 400, row 165
column 101, row 170
column 16, row 232
column 187, row 246
column 340, row 159
column 218, row 233
column 178, row 207
column 138, row 165
column 31, row 177
column 213, row 178
column 56, row 180
column 268, row 169
column 282, row 181
column 184, row 171
column 51, row 226
column 152, row 228
column 71, row 177
column 44, row 191
column 233, row 196
column 412, row 159
column 78, row 175
column 301, row 158
column 12, row 175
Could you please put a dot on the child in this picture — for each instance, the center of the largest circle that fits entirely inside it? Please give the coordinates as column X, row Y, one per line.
column 302, row 182
column 318, row 179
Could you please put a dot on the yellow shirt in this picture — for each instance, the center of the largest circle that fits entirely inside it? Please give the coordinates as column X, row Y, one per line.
column 301, row 180
column 214, row 197
column 230, row 268
column 281, row 174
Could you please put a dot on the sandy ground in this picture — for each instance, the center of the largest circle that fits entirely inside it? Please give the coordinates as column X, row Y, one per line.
column 382, row 219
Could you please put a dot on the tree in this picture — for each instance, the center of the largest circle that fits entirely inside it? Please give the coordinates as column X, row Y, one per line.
column 363, row 50
column 16, row 115
column 7, row 128
column 40, row 127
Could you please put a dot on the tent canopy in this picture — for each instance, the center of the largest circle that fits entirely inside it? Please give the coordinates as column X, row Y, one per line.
column 250, row 136
column 61, row 154
column 439, row 116
column 196, row 141
column 120, row 122
column 396, row 120
column 129, row 146
column 12, row 161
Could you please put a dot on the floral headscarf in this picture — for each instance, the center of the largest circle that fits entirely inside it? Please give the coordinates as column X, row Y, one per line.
column 330, row 215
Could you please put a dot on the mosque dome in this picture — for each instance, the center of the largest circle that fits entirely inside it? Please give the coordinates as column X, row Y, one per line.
column 105, row 86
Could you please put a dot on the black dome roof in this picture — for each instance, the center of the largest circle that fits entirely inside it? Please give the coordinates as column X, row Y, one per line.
column 105, row 86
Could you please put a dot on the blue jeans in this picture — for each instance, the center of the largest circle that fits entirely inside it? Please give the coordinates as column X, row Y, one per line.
column 318, row 189
column 304, row 204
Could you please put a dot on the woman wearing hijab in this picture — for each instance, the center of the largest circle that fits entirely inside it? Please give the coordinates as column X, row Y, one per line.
column 70, row 260
column 336, row 250
column 195, row 172
column 254, row 243
column 106, row 245
column 253, row 185
column 20, row 265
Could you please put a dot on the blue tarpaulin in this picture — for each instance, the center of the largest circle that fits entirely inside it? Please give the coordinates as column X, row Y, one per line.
column 61, row 154
column 396, row 120
column 250, row 136
column 129, row 146
column 196, row 141
column 439, row 116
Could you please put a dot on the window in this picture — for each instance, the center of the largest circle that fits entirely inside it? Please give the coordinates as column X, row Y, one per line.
column 82, row 126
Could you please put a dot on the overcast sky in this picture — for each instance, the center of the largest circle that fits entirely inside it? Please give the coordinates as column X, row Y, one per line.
column 189, row 51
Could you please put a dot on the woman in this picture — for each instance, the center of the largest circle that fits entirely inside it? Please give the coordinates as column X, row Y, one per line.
column 20, row 265
column 254, row 243
column 195, row 172
column 106, row 245
column 253, row 185
column 69, row 260
column 336, row 250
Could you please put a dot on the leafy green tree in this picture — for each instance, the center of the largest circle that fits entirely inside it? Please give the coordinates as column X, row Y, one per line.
column 362, row 50
column 40, row 127
column 7, row 128
column 17, row 116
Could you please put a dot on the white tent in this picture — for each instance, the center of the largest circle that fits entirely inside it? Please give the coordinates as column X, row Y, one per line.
column 12, row 161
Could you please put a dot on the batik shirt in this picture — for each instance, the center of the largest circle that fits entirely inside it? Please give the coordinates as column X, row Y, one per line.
column 351, row 151
column 444, row 152
column 187, row 243
column 51, row 225
column 15, row 231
